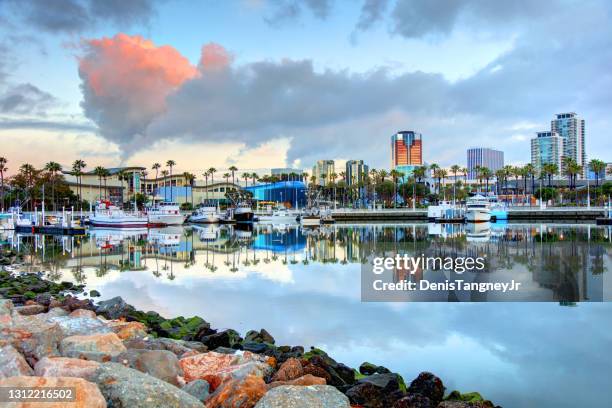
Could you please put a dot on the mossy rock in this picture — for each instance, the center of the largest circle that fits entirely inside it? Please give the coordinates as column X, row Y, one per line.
column 29, row 295
column 467, row 397
column 314, row 352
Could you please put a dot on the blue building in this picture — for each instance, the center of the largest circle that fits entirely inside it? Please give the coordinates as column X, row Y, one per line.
column 291, row 193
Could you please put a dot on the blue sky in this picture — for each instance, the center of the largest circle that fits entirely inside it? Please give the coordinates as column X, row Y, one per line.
column 462, row 73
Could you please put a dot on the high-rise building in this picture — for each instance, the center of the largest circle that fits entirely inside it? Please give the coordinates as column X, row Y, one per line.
column 322, row 170
column 483, row 157
column 571, row 128
column 356, row 171
column 406, row 149
column 547, row 148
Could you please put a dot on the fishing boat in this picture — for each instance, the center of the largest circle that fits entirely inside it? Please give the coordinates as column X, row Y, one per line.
column 205, row 215
column 165, row 213
column 478, row 209
column 280, row 216
column 107, row 215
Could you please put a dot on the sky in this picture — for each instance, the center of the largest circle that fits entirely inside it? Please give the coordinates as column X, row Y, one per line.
column 283, row 83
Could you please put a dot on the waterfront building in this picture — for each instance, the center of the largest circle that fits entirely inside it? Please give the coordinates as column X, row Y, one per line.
column 406, row 149
column 322, row 171
column 289, row 193
column 110, row 187
column 571, row 128
column 356, row 172
column 547, row 148
column 483, row 157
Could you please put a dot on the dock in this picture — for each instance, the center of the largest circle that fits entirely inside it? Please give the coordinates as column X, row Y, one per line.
column 50, row 230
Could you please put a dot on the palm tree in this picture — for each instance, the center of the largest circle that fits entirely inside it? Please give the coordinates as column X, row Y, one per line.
column 549, row 170
column 433, row 168
column 500, row 174
column 464, row 171
column 171, row 164
column 105, row 175
column 28, row 172
column 122, row 176
column 597, row 167
column 455, row 168
column 395, row 175
column 53, row 168
column 233, row 169
column 164, row 174
column 227, row 176
column 3, row 168
column 99, row 171
column 255, row 177
column 156, row 167
column 486, row 174
column 189, row 179
column 530, row 171
column 77, row 171
column 246, row 177
column 212, row 172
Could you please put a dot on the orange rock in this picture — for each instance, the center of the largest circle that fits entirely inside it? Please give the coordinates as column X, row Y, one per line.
column 271, row 361
column 200, row 365
column 130, row 330
column 98, row 347
column 65, row 367
column 240, row 393
column 83, row 313
column 87, row 394
column 289, row 370
column 304, row 380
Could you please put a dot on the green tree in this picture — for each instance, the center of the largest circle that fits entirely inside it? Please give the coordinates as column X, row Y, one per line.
column 597, row 167
column 77, row 171
column 170, row 164
column 3, row 169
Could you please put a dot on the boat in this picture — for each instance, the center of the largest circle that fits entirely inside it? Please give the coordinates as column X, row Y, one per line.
column 445, row 212
column 205, row 215
column 165, row 213
column 478, row 209
column 280, row 216
column 243, row 213
column 107, row 215
column 480, row 232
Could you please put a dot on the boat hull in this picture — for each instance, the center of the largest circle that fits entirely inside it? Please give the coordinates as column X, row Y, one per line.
column 165, row 219
column 244, row 216
column 103, row 222
column 271, row 219
column 310, row 221
column 478, row 215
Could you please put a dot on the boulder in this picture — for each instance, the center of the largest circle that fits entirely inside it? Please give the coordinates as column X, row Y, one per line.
column 226, row 338
column 289, row 370
column 124, row 387
column 87, row 395
column 97, row 347
column 6, row 313
column 198, row 388
column 369, row 369
column 30, row 310
column 414, row 401
column 161, row 364
column 94, row 293
column 303, row 381
column 238, row 393
column 377, row 391
column 261, row 336
column 78, row 326
column 56, row 312
column 178, row 347
column 465, row 404
column 12, row 363
column 83, row 313
column 316, row 396
column 65, row 367
column 128, row 330
column 33, row 337
column 114, row 308
column 428, row 385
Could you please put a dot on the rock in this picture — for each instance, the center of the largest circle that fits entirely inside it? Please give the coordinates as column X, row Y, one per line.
column 57, row 312
column 317, row 372
column 332, row 369
column 226, row 338
column 6, row 313
column 369, row 369
column 87, row 395
column 114, row 308
column 30, row 310
column 261, row 336
column 238, row 393
column 84, row 313
column 71, row 303
column 178, row 347
column 316, row 396
column 414, row 401
column 161, row 364
column 254, row 347
column 473, row 399
column 97, row 347
column 198, row 388
column 65, row 367
column 12, row 363
column 465, row 404
column 44, row 299
column 429, row 386
column 289, row 370
column 124, row 387
column 217, row 368
column 377, row 391
column 303, row 381
column 94, row 293
column 79, row 326
column 33, row 337
column 128, row 330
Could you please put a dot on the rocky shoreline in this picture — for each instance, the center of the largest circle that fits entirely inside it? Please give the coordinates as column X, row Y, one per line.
column 117, row 356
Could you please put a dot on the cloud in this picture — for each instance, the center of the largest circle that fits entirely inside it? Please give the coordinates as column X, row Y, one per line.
column 125, row 82
column 25, row 99
column 12, row 123
column 371, row 12
column 289, row 10
column 73, row 16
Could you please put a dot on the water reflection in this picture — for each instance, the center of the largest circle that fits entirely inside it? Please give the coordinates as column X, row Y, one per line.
column 304, row 287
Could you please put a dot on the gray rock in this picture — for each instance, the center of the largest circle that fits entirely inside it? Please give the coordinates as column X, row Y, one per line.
column 314, row 396
column 162, row 364
column 124, row 387
column 12, row 363
column 178, row 347
column 30, row 310
column 114, row 308
column 97, row 347
column 79, row 326
column 198, row 388
column 33, row 337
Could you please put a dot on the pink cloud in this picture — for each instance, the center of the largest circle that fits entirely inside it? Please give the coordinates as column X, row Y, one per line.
column 214, row 57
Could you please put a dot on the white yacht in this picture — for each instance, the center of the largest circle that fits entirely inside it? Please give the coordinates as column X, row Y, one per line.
column 107, row 215
column 280, row 216
column 165, row 213
column 478, row 209
column 205, row 215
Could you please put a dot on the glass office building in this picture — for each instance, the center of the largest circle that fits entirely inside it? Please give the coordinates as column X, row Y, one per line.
column 483, row 157
column 406, row 149
column 571, row 128
column 547, row 148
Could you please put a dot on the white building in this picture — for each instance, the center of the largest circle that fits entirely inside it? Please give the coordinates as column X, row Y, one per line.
column 571, row 128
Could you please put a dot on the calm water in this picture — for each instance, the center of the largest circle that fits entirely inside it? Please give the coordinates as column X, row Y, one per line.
column 304, row 287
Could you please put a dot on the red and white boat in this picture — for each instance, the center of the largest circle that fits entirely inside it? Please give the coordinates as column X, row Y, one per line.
column 107, row 215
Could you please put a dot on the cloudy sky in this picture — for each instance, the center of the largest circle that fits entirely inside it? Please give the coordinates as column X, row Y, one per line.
column 271, row 83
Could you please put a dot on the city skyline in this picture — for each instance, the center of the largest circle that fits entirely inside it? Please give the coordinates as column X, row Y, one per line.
column 73, row 84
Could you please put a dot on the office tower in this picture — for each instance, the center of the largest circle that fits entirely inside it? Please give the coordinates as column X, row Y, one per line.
column 483, row 157
column 406, row 149
column 547, row 148
column 356, row 171
column 571, row 128
column 322, row 171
